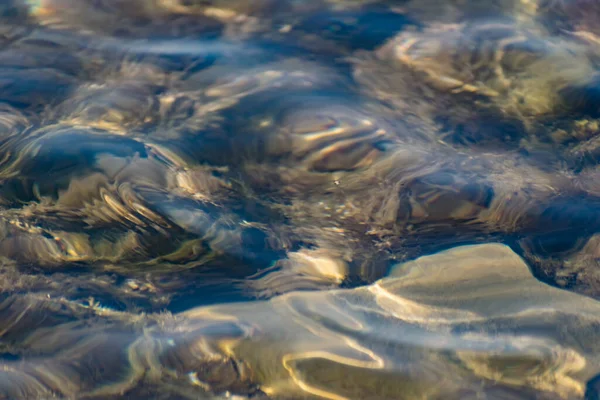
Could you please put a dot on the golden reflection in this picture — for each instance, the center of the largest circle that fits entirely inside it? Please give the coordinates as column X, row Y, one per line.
column 337, row 344
column 480, row 303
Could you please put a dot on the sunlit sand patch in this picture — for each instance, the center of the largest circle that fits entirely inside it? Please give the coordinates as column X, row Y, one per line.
column 343, row 344
column 468, row 286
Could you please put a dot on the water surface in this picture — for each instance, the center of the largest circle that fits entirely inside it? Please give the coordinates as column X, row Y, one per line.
column 334, row 199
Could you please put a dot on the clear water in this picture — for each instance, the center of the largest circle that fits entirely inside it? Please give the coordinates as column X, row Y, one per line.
column 281, row 199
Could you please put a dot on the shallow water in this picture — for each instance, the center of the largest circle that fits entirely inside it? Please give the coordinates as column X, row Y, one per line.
column 334, row 199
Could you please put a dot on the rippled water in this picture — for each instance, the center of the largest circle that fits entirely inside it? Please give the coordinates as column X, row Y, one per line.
column 286, row 199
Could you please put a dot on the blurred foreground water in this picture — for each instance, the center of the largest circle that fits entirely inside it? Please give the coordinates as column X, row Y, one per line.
column 285, row 199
